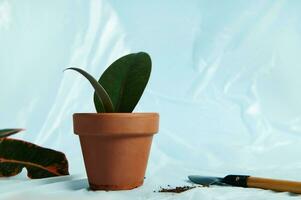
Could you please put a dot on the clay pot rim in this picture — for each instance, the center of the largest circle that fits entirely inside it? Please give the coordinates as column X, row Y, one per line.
column 123, row 123
column 133, row 114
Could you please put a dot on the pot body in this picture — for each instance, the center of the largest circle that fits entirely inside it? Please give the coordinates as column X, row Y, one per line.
column 115, row 147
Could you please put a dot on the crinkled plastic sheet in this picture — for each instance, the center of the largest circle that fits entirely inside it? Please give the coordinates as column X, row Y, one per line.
column 226, row 81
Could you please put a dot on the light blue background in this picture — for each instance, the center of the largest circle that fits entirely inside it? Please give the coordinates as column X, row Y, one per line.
column 225, row 80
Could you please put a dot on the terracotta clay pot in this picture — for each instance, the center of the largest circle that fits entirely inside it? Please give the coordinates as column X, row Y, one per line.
column 115, row 147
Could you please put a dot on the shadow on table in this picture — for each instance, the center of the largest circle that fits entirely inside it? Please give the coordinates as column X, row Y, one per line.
column 69, row 182
column 77, row 184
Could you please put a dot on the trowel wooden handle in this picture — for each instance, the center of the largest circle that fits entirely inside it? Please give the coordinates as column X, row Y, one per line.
column 273, row 184
column 264, row 183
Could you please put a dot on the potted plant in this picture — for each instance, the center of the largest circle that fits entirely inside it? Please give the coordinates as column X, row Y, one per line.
column 116, row 142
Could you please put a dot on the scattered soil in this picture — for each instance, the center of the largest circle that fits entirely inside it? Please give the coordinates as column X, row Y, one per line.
column 177, row 189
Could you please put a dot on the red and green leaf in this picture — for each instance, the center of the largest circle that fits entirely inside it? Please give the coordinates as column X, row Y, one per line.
column 7, row 132
column 40, row 162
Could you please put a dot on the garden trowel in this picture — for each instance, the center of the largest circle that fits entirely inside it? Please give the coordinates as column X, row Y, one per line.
column 250, row 182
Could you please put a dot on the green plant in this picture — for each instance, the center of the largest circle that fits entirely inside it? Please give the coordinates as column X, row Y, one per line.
column 122, row 84
column 40, row 162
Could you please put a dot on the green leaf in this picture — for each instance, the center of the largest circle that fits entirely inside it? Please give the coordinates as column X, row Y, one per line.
column 104, row 99
column 40, row 162
column 125, row 81
column 8, row 132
